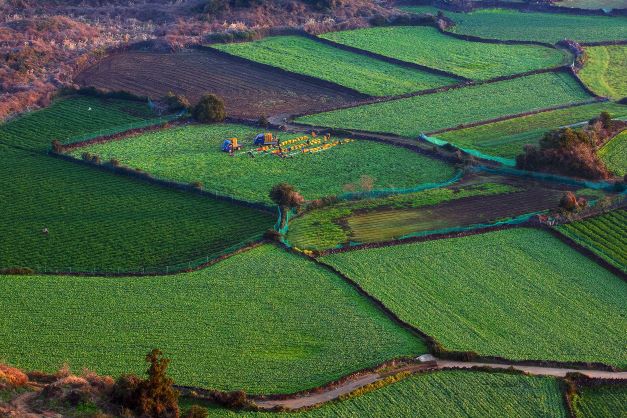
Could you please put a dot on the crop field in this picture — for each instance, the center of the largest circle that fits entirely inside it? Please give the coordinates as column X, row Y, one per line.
column 604, row 235
column 432, row 112
column 517, row 293
column 326, row 227
column 264, row 321
column 601, row 402
column 359, row 72
column 604, row 70
column 249, row 91
column 425, row 45
column 614, row 154
column 507, row 138
column 542, row 27
column 70, row 117
column 394, row 217
column 422, row 395
column 105, row 222
column 592, row 4
column 193, row 153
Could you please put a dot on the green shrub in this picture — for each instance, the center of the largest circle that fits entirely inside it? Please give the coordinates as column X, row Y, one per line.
column 209, row 109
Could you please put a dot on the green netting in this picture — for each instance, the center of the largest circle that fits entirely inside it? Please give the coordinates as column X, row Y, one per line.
column 121, row 128
column 440, row 142
column 393, row 191
column 596, row 185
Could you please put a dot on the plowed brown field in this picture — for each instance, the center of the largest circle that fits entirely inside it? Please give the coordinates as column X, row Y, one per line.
column 250, row 90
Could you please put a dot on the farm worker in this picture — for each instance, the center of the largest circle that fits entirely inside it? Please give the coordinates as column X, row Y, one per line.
column 45, row 231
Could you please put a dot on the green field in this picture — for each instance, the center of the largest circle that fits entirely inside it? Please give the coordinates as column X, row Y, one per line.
column 359, row 72
column 96, row 220
column 542, row 27
column 604, row 70
column 593, row 4
column 193, row 153
column 105, row 222
column 329, row 227
column 426, row 46
column 601, row 402
column 604, row 235
column 507, row 138
column 70, row 117
column 517, row 293
column 431, row 112
column 445, row 394
column 264, row 321
column 614, row 154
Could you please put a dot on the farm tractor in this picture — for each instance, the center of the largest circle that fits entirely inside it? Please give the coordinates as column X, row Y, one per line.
column 231, row 145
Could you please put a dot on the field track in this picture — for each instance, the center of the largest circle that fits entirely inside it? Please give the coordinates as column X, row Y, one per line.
column 349, row 385
column 249, row 89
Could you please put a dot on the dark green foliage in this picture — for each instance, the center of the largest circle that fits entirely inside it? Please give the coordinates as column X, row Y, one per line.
column 209, row 109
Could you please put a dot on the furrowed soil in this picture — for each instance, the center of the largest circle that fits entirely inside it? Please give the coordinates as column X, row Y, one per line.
column 390, row 224
column 248, row 89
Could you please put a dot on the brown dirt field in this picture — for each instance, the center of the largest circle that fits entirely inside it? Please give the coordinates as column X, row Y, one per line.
column 249, row 89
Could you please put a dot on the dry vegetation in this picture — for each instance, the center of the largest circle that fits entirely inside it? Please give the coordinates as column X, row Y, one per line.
column 43, row 43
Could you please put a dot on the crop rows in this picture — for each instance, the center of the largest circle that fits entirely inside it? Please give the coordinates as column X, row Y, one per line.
column 359, row 72
column 193, row 153
column 614, row 154
column 601, row 402
column 507, row 138
column 103, row 222
column 431, row 112
column 517, row 293
column 264, row 321
column 604, row 235
column 426, row 46
column 71, row 117
column 604, row 70
column 541, row 27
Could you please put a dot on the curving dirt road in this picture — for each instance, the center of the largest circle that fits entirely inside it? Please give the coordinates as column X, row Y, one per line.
column 350, row 385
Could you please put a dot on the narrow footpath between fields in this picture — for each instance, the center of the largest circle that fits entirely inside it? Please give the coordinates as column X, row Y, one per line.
column 352, row 384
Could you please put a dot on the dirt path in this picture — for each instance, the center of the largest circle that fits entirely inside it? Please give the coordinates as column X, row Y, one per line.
column 19, row 407
column 352, row 384
column 534, row 370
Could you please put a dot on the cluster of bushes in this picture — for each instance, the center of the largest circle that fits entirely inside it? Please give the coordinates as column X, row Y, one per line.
column 218, row 7
column 102, row 93
column 572, row 152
